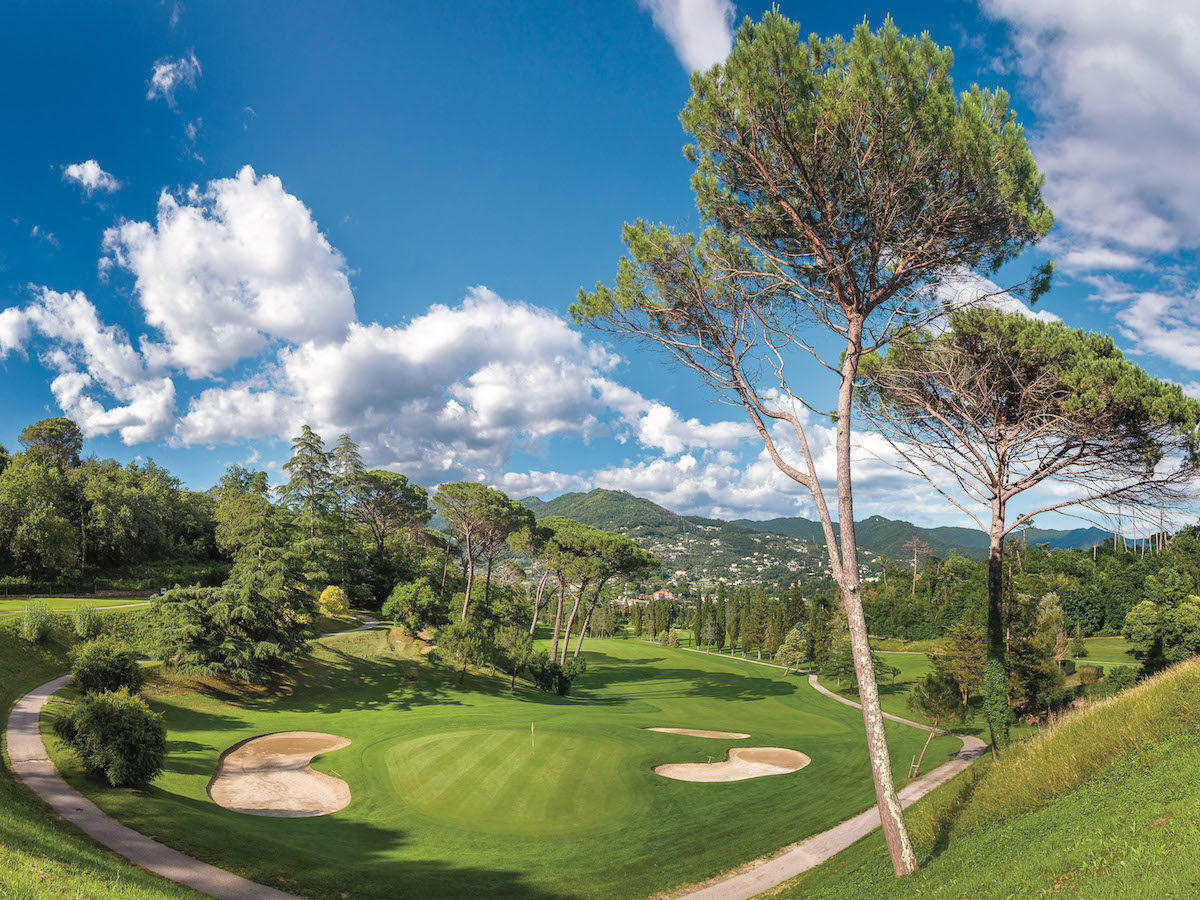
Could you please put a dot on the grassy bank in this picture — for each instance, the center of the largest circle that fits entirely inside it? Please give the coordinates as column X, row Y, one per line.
column 1101, row 804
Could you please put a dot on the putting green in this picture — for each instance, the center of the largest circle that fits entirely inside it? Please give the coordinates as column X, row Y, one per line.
column 568, row 781
column 447, row 799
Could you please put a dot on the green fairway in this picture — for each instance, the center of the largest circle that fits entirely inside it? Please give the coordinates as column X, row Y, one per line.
column 1109, row 650
column 16, row 604
column 453, row 795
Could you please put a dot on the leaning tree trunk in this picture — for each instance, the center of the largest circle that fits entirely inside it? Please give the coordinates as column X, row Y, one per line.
column 562, row 590
column 921, row 758
column 587, row 620
column 891, row 813
column 571, row 622
column 995, row 681
column 537, row 602
column 470, row 566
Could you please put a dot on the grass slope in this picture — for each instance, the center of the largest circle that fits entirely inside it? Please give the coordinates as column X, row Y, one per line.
column 1102, row 804
column 41, row 856
column 449, row 800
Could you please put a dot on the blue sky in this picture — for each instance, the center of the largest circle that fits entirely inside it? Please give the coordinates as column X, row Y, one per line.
column 224, row 219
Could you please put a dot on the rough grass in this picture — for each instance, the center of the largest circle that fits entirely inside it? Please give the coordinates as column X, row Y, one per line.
column 40, row 856
column 1102, row 803
column 450, row 799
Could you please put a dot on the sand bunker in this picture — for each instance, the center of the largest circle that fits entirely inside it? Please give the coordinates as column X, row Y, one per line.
column 699, row 732
column 270, row 776
column 743, row 763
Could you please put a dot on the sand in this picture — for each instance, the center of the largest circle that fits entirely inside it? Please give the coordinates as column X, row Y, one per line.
column 270, row 776
column 742, row 763
column 699, row 732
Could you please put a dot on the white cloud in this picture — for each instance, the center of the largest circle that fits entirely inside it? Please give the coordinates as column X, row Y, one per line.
column 168, row 75
column 224, row 270
column 1093, row 258
column 1165, row 325
column 90, row 177
column 1118, row 94
column 969, row 288
column 1192, row 389
column 91, row 358
column 43, row 235
column 700, row 31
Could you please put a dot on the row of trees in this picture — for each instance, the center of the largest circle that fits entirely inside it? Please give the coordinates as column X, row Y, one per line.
column 64, row 518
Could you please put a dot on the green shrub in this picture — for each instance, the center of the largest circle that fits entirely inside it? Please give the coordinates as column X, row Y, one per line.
column 662, row 637
column 1089, row 674
column 35, row 622
column 100, row 667
column 1068, row 666
column 673, row 639
column 547, row 675
column 334, row 602
column 116, row 735
column 1121, row 677
column 87, row 622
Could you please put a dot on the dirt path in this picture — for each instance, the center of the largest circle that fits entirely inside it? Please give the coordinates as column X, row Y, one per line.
column 30, row 763
column 769, row 872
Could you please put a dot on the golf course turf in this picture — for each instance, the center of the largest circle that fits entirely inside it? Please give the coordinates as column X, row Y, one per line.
column 454, row 793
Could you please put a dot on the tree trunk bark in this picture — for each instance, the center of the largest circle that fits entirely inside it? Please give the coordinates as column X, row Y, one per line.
column 562, row 590
column 570, row 622
column 891, row 814
column 995, row 680
column 587, row 620
column 537, row 601
column 925, row 747
column 487, row 584
column 470, row 578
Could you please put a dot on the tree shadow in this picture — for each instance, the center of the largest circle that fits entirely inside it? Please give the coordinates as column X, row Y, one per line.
column 947, row 816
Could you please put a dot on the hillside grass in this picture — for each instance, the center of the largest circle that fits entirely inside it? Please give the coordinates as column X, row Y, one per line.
column 40, row 855
column 451, row 797
column 1102, row 803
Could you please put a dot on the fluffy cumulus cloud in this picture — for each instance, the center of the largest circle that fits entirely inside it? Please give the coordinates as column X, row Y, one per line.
column 225, row 269
column 90, row 357
column 1117, row 86
column 90, row 177
column 170, row 74
column 700, row 31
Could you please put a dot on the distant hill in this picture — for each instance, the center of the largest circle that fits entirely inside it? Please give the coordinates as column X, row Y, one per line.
column 888, row 536
column 704, row 547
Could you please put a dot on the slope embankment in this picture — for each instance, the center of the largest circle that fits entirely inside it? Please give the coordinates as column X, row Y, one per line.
column 1103, row 803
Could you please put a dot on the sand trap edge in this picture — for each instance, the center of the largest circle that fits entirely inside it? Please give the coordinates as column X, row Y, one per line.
column 308, row 770
column 735, row 767
column 700, row 733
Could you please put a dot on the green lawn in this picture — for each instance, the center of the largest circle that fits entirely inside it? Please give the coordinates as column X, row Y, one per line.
column 450, row 799
column 1109, row 650
column 16, row 604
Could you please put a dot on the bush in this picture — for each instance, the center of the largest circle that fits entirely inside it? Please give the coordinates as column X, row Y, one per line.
column 1089, row 674
column 673, row 639
column 1121, row 677
column 100, row 667
column 35, row 622
column 87, row 622
column 547, row 675
column 414, row 606
column 115, row 734
column 334, row 602
column 1068, row 666
column 662, row 637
